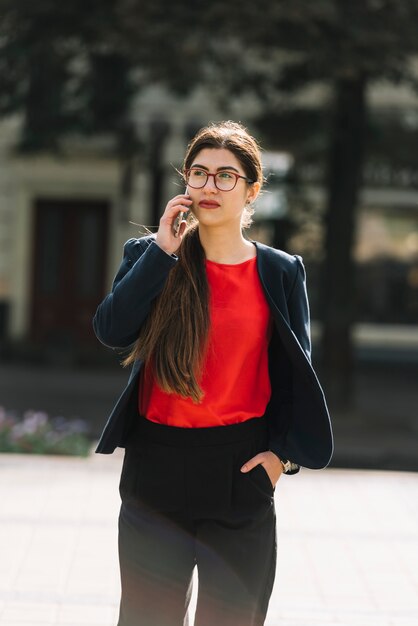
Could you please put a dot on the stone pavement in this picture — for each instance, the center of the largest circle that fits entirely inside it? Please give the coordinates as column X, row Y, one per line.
column 347, row 545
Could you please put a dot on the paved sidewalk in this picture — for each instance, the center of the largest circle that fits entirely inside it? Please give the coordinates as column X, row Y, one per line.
column 347, row 545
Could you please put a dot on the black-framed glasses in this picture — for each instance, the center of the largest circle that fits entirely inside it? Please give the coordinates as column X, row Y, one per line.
column 224, row 180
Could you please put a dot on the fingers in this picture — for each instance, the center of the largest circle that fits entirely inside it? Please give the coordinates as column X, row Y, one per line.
column 251, row 464
column 268, row 459
column 165, row 237
column 173, row 208
column 270, row 462
column 176, row 204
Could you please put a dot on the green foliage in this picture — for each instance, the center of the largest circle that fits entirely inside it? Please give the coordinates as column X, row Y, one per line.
column 284, row 46
column 72, row 67
column 62, row 69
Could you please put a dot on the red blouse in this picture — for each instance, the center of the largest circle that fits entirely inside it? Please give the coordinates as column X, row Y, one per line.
column 235, row 377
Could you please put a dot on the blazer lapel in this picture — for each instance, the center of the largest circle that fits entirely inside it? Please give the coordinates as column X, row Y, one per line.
column 274, row 284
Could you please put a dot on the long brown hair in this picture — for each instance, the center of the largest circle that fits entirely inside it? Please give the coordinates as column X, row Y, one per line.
column 174, row 336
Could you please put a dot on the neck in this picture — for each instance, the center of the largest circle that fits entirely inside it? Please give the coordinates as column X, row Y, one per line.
column 223, row 246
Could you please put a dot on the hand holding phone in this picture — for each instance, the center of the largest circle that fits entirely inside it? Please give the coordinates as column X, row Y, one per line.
column 170, row 229
column 179, row 219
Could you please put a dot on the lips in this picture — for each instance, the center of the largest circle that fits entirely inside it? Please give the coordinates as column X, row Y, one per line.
column 209, row 204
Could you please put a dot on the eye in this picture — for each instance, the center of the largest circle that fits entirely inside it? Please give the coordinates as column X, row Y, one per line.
column 225, row 176
column 198, row 173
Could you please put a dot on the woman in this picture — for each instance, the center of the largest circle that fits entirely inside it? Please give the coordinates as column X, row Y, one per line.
column 222, row 397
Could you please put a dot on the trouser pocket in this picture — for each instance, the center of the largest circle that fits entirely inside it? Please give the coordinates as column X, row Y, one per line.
column 252, row 494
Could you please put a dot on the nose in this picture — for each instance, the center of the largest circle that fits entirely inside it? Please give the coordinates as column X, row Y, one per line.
column 210, row 183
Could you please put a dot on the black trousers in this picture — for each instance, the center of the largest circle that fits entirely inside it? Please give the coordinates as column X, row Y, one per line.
column 186, row 503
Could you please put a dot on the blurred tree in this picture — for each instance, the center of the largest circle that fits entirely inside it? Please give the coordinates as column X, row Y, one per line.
column 344, row 46
column 69, row 68
column 62, row 69
column 76, row 67
column 58, row 71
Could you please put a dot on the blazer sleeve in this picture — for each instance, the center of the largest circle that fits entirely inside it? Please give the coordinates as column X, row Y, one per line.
column 140, row 278
column 298, row 307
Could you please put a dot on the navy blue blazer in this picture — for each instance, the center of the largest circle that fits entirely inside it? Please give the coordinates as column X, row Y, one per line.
column 297, row 415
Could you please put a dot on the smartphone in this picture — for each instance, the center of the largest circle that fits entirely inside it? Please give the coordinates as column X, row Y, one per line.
column 177, row 223
column 178, row 220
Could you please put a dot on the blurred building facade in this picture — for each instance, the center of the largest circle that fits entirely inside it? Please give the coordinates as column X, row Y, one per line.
column 63, row 222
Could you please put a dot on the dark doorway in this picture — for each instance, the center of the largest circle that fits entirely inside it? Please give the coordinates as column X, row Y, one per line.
column 69, row 270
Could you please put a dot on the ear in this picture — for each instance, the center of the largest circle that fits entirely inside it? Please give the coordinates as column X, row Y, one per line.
column 253, row 192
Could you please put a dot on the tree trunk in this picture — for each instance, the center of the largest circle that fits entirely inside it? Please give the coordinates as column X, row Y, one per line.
column 128, row 149
column 344, row 181
column 159, row 130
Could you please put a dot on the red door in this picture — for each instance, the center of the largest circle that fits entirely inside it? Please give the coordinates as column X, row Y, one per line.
column 68, row 270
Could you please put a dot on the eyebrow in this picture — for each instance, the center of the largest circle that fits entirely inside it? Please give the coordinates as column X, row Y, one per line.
column 223, row 167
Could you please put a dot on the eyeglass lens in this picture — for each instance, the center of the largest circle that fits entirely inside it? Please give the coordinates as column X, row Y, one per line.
column 224, row 181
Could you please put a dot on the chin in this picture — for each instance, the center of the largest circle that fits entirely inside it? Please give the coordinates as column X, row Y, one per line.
column 205, row 217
